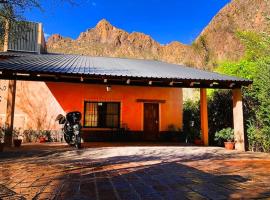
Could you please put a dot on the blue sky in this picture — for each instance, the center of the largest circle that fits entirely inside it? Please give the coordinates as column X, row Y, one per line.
column 164, row 20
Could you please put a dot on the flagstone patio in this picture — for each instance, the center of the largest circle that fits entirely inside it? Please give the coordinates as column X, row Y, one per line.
column 132, row 171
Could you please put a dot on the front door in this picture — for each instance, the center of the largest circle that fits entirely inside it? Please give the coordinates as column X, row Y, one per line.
column 151, row 120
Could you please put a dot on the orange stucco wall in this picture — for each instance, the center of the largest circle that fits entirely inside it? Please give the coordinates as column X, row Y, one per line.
column 72, row 96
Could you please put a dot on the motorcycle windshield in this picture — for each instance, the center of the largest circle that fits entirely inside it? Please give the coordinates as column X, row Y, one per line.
column 61, row 119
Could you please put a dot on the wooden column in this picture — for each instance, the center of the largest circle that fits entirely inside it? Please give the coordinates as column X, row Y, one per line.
column 10, row 111
column 238, row 120
column 204, row 116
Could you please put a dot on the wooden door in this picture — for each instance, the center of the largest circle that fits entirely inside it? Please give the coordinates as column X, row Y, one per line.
column 151, row 120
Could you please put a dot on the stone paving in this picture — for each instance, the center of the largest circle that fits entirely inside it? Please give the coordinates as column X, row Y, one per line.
column 132, row 171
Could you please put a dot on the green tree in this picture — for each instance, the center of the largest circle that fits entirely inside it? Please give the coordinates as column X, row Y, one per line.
column 256, row 66
column 12, row 11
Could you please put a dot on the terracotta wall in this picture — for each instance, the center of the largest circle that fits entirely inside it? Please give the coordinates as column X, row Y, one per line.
column 38, row 103
column 72, row 96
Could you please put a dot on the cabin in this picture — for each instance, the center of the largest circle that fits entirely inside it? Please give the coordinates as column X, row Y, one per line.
column 115, row 95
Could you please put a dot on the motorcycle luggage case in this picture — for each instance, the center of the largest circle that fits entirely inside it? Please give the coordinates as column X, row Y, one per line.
column 74, row 117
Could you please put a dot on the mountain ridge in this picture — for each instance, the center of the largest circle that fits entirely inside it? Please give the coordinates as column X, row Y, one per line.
column 107, row 40
column 216, row 43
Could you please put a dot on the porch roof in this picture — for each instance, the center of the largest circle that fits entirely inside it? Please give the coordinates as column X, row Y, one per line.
column 77, row 68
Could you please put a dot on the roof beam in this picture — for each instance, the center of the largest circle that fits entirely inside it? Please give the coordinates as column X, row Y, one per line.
column 113, row 80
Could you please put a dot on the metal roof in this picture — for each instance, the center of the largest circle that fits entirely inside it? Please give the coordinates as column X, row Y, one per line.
column 27, row 40
column 86, row 66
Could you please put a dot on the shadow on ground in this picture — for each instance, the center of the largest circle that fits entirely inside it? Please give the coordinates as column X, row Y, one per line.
column 136, row 172
column 157, row 181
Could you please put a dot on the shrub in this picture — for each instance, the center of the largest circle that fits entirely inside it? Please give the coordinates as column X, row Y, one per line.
column 2, row 134
column 173, row 134
column 16, row 133
column 191, row 120
column 31, row 135
column 255, row 138
column 256, row 66
column 220, row 113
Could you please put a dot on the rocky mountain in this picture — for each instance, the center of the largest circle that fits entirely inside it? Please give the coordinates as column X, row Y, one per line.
column 107, row 40
column 217, row 42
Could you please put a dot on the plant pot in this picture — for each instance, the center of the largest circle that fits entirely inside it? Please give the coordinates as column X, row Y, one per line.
column 8, row 140
column 42, row 140
column 2, row 147
column 198, row 142
column 229, row 145
column 17, row 142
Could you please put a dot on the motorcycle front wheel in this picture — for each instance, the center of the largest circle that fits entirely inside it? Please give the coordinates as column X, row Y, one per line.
column 78, row 142
column 67, row 139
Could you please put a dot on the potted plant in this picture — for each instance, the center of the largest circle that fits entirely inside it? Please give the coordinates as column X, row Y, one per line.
column 42, row 137
column 17, row 137
column 197, row 138
column 2, row 136
column 31, row 135
column 48, row 135
column 226, row 135
column 174, row 133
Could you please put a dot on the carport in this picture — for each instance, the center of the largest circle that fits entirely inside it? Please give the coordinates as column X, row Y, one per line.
column 115, row 71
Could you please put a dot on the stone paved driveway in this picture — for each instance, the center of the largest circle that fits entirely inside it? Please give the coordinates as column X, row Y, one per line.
column 146, row 171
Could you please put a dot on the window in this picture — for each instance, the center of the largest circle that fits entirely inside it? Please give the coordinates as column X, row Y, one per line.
column 102, row 114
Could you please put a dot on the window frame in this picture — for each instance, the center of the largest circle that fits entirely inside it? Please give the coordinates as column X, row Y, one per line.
column 103, row 102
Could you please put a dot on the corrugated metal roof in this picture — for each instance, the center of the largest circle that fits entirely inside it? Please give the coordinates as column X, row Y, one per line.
column 105, row 66
column 23, row 36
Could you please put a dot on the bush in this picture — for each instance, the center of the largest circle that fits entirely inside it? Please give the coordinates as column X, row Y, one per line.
column 173, row 134
column 226, row 135
column 16, row 133
column 220, row 113
column 256, row 66
column 191, row 120
column 2, row 134
column 31, row 135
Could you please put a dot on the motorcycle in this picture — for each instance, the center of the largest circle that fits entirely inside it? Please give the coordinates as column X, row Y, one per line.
column 71, row 128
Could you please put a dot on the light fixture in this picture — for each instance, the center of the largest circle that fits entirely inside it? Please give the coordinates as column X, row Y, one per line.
column 22, row 74
column 128, row 81
column 214, row 83
column 150, row 82
column 232, row 85
column 109, row 88
column 194, row 83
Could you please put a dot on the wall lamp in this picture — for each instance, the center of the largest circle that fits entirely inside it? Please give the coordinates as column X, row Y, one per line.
column 109, row 88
